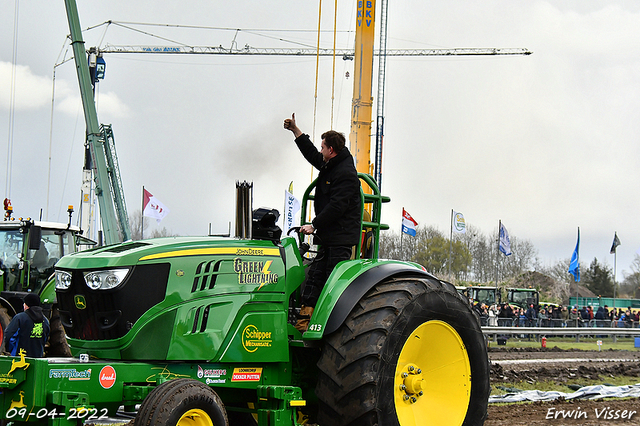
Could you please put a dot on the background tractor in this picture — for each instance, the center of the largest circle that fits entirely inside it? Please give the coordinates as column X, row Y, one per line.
column 28, row 252
column 523, row 297
column 483, row 294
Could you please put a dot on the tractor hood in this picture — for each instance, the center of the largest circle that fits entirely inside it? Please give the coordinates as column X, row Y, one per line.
column 172, row 298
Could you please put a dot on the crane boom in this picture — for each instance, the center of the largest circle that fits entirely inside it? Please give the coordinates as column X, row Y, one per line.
column 115, row 229
column 347, row 54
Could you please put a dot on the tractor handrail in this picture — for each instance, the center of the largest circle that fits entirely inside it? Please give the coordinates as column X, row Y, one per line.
column 375, row 199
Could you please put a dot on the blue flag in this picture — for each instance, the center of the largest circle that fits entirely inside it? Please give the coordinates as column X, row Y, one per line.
column 505, row 242
column 574, row 266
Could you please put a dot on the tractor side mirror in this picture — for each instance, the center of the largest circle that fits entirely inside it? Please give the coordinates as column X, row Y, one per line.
column 35, row 235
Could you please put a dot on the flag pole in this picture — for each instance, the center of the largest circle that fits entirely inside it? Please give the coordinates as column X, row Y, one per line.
column 450, row 239
column 498, row 250
column 142, row 216
column 575, row 278
column 284, row 208
column 615, row 258
column 401, row 236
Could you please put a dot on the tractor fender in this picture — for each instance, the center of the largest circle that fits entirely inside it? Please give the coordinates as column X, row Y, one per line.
column 48, row 292
column 4, row 303
column 347, row 284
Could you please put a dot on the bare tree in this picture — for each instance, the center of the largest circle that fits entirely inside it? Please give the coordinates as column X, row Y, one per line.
column 630, row 285
column 429, row 248
column 135, row 222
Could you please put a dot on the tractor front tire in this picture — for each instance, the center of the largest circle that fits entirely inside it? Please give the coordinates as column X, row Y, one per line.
column 411, row 352
column 182, row 402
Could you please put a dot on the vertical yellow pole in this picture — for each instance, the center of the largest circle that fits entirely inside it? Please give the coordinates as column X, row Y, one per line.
column 361, row 106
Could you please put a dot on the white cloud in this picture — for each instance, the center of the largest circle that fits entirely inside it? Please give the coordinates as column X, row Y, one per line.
column 109, row 105
column 31, row 91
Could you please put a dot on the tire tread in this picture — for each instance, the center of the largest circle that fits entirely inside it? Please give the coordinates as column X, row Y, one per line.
column 353, row 356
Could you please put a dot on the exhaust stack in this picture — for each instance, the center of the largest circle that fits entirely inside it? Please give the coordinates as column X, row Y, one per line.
column 244, row 209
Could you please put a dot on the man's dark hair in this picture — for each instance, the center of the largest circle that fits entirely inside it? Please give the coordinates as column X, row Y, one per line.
column 334, row 140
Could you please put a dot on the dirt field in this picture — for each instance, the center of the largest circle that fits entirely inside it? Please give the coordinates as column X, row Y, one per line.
column 582, row 368
column 564, row 368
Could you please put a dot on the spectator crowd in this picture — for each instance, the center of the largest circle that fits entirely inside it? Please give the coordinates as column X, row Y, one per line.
column 505, row 315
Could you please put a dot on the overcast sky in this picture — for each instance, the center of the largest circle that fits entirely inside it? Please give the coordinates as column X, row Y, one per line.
column 546, row 143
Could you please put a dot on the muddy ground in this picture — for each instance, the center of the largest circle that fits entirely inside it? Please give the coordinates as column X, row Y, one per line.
column 565, row 368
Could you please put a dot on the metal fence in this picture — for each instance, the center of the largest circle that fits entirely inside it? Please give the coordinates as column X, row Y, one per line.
column 506, row 327
column 538, row 332
column 486, row 321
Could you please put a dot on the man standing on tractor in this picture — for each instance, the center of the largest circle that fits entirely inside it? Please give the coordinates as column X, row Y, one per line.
column 338, row 210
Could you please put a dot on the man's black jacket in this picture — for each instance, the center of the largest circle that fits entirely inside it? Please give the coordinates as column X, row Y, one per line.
column 28, row 330
column 337, row 204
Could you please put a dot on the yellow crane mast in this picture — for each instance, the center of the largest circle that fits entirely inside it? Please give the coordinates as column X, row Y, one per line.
column 361, row 105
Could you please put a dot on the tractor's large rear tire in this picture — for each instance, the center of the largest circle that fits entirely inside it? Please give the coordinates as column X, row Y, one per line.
column 182, row 402
column 5, row 319
column 411, row 352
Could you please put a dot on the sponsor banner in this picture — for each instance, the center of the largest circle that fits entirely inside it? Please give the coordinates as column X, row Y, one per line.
column 107, row 377
column 70, row 373
column 204, row 372
column 246, row 375
column 212, row 375
column 6, row 378
column 253, row 338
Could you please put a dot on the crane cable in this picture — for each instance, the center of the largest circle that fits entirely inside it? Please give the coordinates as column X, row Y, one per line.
column 315, row 94
column 333, row 77
column 12, row 104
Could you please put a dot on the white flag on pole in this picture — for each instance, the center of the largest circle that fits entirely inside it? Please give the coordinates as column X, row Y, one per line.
column 458, row 224
column 154, row 208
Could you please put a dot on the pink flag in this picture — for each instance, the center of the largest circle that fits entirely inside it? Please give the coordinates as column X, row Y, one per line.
column 154, row 208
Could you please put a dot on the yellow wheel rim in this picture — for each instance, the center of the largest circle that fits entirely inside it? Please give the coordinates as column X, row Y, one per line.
column 195, row 417
column 432, row 384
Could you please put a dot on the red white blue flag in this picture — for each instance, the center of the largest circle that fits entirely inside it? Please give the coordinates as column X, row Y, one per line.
column 408, row 223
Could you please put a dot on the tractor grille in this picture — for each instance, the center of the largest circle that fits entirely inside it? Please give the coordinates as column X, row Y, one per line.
column 206, row 275
column 110, row 314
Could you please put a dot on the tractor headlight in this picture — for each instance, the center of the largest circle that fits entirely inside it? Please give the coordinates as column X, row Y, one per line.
column 63, row 280
column 105, row 280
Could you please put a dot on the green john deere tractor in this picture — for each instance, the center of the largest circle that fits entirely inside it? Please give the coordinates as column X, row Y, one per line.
column 199, row 331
